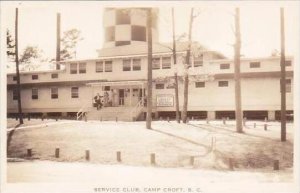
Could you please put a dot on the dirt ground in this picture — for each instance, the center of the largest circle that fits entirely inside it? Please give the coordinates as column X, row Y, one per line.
column 173, row 144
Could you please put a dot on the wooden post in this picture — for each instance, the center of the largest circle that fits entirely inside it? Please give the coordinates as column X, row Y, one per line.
column 224, row 121
column 160, row 118
column 282, row 79
column 265, row 127
column 187, row 120
column 29, row 152
column 42, row 118
column 116, row 119
column 244, row 121
column 192, row 118
column 58, row 41
column 254, row 125
column 57, row 152
column 168, row 119
column 152, row 159
column 87, row 155
column 276, row 165
column 119, row 159
column 85, row 117
column 192, row 159
column 100, row 119
column 231, row 167
column 28, row 117
column 207, row 121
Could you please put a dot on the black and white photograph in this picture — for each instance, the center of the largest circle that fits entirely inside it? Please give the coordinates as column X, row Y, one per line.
column 149, row 96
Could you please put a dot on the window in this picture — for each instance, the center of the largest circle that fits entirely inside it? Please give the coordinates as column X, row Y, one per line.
column 166, row 62
column 122, row 16
column 108, row 66
column 99, row 66
column 159, row 86
column 34, row 93
column 15, row 94
column 122, row 43
column 106, row 88
column 170, row 86
column 199, row 84
column 288, row 63
column 35, row 77
column 224, row 66
column 82, row 68
column 73, row 68
column 223, row 83
column 136, row 64
column 54, row 93
column 127, row 65
column 138, row 33
column 110, row 34
column 14, row 78
column 74, row 92
column 155, row 63
column 254, row 64
column 198, row 61
column 54, row 75
column 288, row 85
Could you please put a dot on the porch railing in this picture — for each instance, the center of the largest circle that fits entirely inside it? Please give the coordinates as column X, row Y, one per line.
column 81, row 111
column 137, row 109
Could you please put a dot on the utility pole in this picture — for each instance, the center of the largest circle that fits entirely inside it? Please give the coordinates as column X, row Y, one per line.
column 17, row 69
column 149, row 76
column 175, row 73
column 186, row 75
column 237, row 78
column 282, row 80
column 58, row 41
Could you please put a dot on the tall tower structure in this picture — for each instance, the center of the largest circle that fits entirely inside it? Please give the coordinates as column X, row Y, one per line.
column 127, row 26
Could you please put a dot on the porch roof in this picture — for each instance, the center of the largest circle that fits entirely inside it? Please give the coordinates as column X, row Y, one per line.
column 119, row 83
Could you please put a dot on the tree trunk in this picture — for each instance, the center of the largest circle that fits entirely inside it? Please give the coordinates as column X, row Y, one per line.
column 149, row 82
column 58, row 42
column 175, row 74
column 283, row 79
column 17, row 70
column 186, row 75
column 238, row 103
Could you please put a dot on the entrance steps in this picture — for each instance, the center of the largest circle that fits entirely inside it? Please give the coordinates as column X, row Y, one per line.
column 113, row 113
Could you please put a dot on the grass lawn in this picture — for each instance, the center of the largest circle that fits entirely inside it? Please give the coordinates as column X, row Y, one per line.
column 172, row 143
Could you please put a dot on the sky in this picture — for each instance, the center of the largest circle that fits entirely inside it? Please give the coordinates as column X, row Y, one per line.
column 213, row 27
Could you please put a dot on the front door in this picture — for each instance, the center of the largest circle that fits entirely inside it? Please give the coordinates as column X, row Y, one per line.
column 121, row 97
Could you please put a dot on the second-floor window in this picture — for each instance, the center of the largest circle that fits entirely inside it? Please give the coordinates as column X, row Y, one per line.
column 99, row 66
column 54, row 75
column 166, row 62
column 126, row 65
column 54, row 93
column 199, row 84
column 254, row 64
column 159, row 86
column 73, row 68
column 108, row 66
column 223, row 83
column 136, row 64
column 224, row 66
column 288, row 85
column 14, row 78
column 34, row 93
column 74, row 92
column 82, row 68
column 155, row 63
column 288, row 63
column 35, row 77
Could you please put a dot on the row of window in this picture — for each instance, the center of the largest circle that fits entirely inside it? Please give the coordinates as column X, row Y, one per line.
column 221, row 83
column 54, row 93
column 252, row 65
column 36, row 77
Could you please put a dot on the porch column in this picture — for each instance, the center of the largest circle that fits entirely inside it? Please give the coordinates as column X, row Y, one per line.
column 271, row 115
column 130, row 97
column 211, row 115
column 143, row 94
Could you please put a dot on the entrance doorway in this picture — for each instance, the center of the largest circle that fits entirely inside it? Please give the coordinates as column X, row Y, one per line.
column 121, row 97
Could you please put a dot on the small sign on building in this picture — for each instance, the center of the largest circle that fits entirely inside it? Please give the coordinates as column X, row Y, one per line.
column 164, row 100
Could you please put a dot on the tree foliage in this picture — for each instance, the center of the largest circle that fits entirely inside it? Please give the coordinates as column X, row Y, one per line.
column 69, row 43
column 10, row 45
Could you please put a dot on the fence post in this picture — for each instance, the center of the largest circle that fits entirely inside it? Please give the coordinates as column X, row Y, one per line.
column 224, row 121
column 187, row 120
column 231, row 167
column 254, row 125
column 28, row 117
column 152, row 159
column 100, row 119
column 160, row 118
column 29, row 152
column 116, row 119
column 192, row 118
column 57, row 152
column 265, row 127
column 119, row 159
column 192, row 159
column 168, row 119
column 276, row 164
column 87, row 155
column 207, row 121
column 244, row 121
